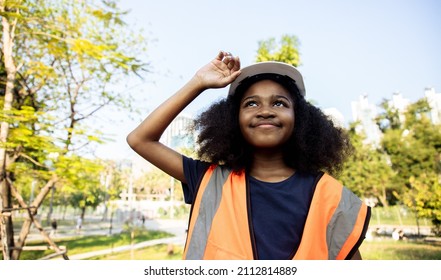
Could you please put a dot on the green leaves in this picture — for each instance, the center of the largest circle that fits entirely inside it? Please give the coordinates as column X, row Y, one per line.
column 406, row 167
column 71, row 55
column 367, row 171
column 285, row 50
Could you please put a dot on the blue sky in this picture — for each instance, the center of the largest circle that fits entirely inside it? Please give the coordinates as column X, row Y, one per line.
column 347, row 48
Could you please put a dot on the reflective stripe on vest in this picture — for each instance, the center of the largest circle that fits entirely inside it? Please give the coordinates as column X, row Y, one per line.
column 220, row 229
column 218, row 226
column 335, row 222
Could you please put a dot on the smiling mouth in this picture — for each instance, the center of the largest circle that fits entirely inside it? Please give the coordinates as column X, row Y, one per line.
column 266, row 125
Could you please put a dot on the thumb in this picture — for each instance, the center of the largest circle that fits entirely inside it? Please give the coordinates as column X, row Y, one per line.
column 233, row 76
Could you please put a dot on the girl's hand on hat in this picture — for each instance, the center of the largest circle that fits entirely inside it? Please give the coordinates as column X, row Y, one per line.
column 220, row 72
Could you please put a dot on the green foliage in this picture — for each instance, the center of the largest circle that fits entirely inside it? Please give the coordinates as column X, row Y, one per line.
column 424, row 197
column 406, row 167
column 114, row 179
column 70, row 55
column 81, row 180
column 367, row 172
column 284, row 50
column 389, row 118
column 413, row 145
column 153, row 184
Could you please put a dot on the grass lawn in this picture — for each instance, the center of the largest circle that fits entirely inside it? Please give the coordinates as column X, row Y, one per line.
column 400, row 250
column 94, row 243
column 370, row 250
column 158, row 252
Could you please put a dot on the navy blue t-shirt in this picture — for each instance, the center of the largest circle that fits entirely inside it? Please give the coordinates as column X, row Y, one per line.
column 278, row 210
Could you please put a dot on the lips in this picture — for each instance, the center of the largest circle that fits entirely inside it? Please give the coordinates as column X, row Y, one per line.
column 264, row 124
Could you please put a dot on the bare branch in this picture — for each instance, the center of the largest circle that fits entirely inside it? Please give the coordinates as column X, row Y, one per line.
column 33, row 161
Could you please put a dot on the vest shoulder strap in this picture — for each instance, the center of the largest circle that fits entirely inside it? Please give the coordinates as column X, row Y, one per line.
column 334, row 224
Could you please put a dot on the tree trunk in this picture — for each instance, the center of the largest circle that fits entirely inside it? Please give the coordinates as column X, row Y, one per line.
column 383, row 197
column 106, row 210
column 6, row 228
column 51, row 207
column 83, row 212
column 26, row 227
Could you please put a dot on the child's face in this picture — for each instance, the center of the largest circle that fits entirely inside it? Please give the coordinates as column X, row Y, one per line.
column 266, row 115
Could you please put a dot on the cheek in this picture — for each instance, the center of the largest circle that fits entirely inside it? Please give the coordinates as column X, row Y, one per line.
column 242, row 120
column 293, row 117
column 291, row 126
column 242, row 127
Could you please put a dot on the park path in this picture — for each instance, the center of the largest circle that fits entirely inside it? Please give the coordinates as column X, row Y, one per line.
column 97, row 227
column 175, row 227
column 88, row 255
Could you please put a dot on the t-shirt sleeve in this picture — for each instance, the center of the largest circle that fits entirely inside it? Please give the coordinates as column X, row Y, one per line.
column 193, row 172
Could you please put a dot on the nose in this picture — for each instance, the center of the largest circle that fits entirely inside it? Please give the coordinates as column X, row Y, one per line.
column 266, row 111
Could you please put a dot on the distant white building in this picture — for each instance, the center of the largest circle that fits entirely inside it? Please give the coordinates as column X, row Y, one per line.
column 434, row 100
column 365, row 113
column 178, row 134
column 399, row 103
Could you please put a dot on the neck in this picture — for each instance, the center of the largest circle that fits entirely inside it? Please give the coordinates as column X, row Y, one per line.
column 270, row 166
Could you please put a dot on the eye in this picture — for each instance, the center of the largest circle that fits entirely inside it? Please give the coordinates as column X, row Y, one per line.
column 250, row 103
column 281, row 103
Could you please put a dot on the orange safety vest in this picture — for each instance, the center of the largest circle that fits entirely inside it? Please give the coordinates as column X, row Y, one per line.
column 220, row 226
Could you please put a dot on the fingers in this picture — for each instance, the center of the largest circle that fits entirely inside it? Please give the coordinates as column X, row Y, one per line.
column 227, row 66
column 220, row 55
column 223, row 55
column 236, row 66
column 232, row 63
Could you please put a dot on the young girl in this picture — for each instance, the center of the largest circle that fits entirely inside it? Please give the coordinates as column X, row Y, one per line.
column 261, row 189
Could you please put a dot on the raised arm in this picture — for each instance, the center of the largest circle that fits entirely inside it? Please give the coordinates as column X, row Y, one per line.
column 144, row 139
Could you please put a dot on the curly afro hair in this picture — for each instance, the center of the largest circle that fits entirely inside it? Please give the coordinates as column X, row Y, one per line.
column 316, row 144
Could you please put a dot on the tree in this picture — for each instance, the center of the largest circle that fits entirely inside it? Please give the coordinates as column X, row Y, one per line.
column 153, row 185
column 113, row 180
column 414, row 147
column 424, row 198
column 367, row 171
column 82, row 182
column 69, row 54
column 285, row 50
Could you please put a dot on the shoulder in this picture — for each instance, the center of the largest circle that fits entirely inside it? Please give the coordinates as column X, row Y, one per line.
column 342, row 195
column 195, row 164
column 326, row 178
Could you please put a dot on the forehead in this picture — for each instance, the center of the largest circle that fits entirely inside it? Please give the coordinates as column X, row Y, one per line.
column 267, row 88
